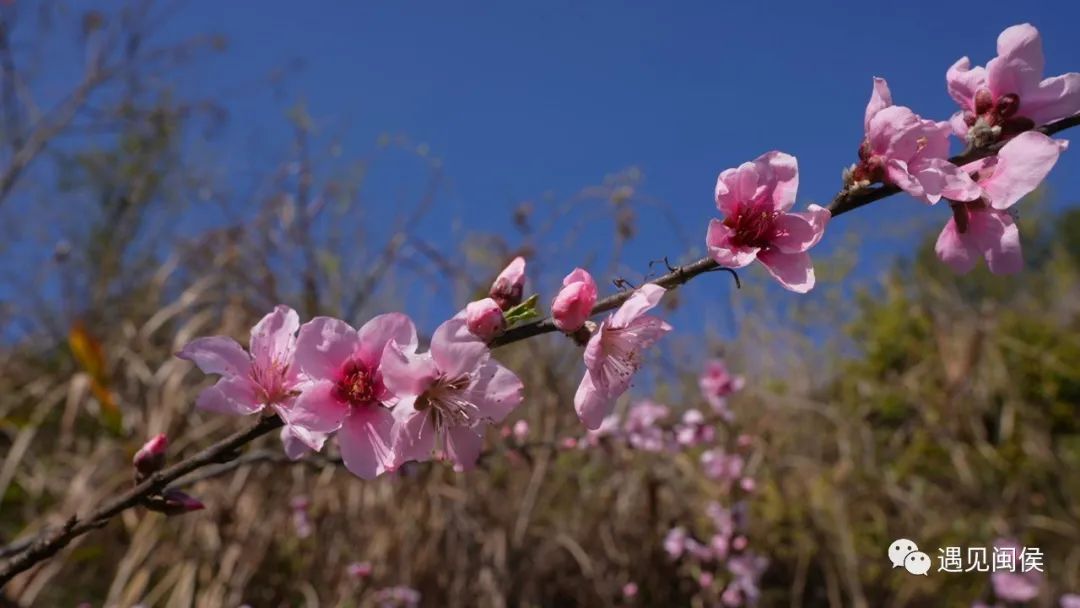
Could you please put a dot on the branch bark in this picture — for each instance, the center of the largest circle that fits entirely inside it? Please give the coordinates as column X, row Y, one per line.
column 53, row 540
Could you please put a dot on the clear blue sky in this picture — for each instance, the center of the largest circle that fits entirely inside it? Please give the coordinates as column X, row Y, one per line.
column 520, row 98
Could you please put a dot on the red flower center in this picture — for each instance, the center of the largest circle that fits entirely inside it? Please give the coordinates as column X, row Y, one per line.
column 358, row 384
column 1000, row 112
column 753, row 227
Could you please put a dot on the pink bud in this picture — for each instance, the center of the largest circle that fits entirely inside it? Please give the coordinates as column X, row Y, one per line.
column 630, row 590
column 509, row 285
column 568, row 443
column 485, row 319
column 521, row 430
column 747, row 484
column 173, row 502
column 739, row 543
column 575, row 301
column 151, row 456
column 359, row 570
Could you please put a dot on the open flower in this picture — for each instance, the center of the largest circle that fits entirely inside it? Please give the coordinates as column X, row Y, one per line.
column 447, row 395
column 614, row 352
column 345, row 388
column 902, row 149
column 755, row 199
column 251, row 381
column 1010, row 95
column 984, row 228
column 575, row 301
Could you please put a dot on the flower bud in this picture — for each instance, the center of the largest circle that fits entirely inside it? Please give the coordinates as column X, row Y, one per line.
column 575, row 301
column 485, row 319
column 521, row 430
column 359, row 570
column 151, row 456
column 509, row 285
column 173, row 502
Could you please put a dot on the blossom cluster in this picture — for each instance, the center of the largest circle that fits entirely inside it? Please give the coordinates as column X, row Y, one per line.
column 388, row 402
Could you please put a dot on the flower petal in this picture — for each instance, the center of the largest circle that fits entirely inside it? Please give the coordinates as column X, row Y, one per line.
column 780, row 173
column 963, row 82
column 952, row 249
column 997, row 235
column 1022, row 165
column 799, row 232
column 381, row 329
column 940, row 178
column 643, row 299
column 1055, row 98
column 365, row 440
column 407, row 374
column 318, row 408
column 495, row 392
column 455, row 350
column 323, row 346
column 463, row 446
column 231, row 395
column 273, row 337
column 795, row 271
column 217, row 355
column 880, row 99
column 299, row 441
column 413, row 434
column 591, row 404
column 1018, row 68
column 718, row 240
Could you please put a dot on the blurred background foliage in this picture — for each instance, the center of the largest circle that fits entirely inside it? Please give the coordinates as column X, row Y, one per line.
column 911, row 404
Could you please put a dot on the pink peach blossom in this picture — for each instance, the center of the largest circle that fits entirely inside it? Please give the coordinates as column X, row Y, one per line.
column 485, row 319
column 510, row 284
column 755, row 199
column 346, row 390
column 716, row 384
column 984, row 228
column 266, row 376
column 447, row 394
column 1010, row 95
column 614, row 354
column 903, row 149
column 575, row 301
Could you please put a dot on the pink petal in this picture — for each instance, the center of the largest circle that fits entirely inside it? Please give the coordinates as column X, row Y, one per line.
column 962, row 82
column 1018, row 68
column 217, row 355
column 779, row 172
column 1055, row 98
column 795, row 271
column 318, row 408
column 959, row 127
column 643, row 299
column 954, row 251
column 999, row 238
column 894, row 131
column 380, row 330
column 801, row 231
column 897, row 174
column 323, row 346
column 938, row 177
column 413, row 434
column 231, row 395
column 591, row 404
column 721, row 249
column 495, row 392
column 273, row 337
column 880, row 99
column 298, row 441
column 455, row 350
column 1022, row 165
column 365, row 441
column 407, row 373
column 463, row 446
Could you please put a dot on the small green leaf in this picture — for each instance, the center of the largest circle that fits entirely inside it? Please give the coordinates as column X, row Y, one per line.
column 523, row 312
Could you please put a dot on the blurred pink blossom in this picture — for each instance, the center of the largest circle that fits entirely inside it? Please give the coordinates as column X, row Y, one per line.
column 717, row 384
column 359, row 570
column 642, row 427
column 755, row 199
column 630, row 590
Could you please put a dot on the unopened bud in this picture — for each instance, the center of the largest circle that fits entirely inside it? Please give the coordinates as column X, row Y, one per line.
column 485, row 319
column 575, row 301
column 359, row 570
column 151, row 456
column 173, row 502
column 509, row 285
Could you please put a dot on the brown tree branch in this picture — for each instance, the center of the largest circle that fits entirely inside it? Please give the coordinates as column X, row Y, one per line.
column 53, row 540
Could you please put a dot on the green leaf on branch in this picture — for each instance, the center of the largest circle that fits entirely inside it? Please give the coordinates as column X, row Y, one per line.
column 523, row 312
